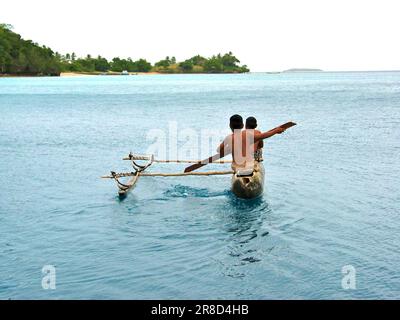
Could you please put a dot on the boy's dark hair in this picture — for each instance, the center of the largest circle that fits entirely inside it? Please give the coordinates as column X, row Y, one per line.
column 236, row 122
column 251, row 123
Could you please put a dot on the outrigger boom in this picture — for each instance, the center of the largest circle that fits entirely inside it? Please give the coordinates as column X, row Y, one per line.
column 139, row 171
column 144, row 157
column 159, row 174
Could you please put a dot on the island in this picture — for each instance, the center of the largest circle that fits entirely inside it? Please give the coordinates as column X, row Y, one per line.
column 303, row 70
column 19, row 57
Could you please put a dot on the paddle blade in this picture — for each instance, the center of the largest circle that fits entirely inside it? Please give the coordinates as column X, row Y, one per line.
column 287, row 125
column 194, row 167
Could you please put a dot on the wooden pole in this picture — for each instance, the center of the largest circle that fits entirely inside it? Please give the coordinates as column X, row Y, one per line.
column 180, row 174
column 173, row 161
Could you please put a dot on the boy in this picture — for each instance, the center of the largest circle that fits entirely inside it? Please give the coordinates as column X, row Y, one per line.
column 251, row 124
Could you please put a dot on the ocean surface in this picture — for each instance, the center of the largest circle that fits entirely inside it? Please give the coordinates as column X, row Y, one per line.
column 332, row 196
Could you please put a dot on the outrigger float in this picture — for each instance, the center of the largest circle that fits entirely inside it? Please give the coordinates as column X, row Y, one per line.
column 244, row 184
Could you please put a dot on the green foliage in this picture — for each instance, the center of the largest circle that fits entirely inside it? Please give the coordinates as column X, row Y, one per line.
column 101, row 64
column 226, row 63
column 214, row 65
column 119, row 65
column 19, row 56
column 163, row 63
column 186, row 65
column 198, row 60
column 143, row 66
column 229, row 60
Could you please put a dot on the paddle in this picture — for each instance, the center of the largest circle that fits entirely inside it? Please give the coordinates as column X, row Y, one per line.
column 202, row 163
column 218, row 156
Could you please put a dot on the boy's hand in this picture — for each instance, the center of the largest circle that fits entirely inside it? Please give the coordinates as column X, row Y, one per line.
column 280, row 130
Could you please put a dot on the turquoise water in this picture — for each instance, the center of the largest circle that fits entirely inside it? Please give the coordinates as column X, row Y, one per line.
column 332, row 194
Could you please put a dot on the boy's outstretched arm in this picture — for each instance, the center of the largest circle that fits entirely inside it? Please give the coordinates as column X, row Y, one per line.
column 268, row 134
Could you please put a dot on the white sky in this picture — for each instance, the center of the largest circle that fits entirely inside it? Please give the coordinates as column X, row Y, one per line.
column 266, row 35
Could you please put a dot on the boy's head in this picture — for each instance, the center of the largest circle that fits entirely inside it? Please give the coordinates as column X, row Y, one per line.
column 251, row 123
column 236, row 122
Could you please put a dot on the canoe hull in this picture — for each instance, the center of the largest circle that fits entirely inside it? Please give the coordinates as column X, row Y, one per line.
column 249, row 187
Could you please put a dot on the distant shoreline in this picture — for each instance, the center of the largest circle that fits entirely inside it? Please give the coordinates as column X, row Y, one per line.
column 81, row 74
column 89, row 74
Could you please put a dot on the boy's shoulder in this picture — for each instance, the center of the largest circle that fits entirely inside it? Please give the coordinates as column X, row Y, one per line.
column 228, row 137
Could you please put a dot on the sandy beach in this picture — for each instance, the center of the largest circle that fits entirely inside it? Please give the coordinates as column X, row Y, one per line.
column 74, row 74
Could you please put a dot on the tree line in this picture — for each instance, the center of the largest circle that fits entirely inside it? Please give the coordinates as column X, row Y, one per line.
column 19, row 56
